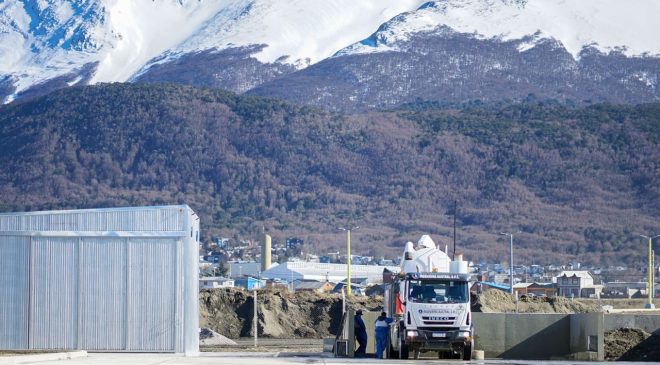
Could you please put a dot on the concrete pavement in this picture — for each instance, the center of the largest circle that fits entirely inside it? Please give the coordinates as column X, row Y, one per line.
column 251, row 358
column 34, row 358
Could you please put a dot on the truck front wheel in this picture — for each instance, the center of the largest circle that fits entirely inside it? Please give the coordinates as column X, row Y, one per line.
column 467, row 352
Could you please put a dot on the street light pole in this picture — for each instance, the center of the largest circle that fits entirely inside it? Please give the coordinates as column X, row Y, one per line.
column 510, row 259
column 653, row 276
column 348, row 261
column 454, row 251
column 650, row 305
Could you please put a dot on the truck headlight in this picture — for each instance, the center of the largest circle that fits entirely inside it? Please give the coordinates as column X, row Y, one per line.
column 411, row 333
column 464, row 334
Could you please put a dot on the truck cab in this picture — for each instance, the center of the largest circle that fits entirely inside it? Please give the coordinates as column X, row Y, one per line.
column 436, row 314
column 430, row 298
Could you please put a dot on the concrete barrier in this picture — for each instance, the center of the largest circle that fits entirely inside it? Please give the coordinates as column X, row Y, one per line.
column 522, row 336
column 587, row 335
column 328, row 344
column 538, row 336
column 648, row 322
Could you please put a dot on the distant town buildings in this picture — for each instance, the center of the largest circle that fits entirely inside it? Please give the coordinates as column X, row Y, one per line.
column 241, row 269
column 295, row 269
column 622, row 289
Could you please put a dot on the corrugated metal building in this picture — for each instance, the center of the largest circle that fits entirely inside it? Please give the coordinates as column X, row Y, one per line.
column 123, row 279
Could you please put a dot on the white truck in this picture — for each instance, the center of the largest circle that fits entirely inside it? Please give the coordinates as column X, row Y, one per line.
column 430, row 303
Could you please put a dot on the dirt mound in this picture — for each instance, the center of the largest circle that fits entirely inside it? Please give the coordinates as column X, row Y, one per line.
column 631, row 344
column 497, row 301
column 281, row 314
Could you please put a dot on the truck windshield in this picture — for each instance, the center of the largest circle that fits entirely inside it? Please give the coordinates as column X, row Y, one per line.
column 435, row 291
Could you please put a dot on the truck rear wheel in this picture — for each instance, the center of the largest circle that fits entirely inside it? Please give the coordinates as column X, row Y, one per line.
column 393, row 354
column 403, row 349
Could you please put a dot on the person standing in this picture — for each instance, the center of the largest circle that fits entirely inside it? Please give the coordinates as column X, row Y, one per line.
column 360, row 334
column 382, row 329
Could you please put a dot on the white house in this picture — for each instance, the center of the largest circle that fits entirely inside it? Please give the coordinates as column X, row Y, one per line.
column 577, row 284
column 215, row 282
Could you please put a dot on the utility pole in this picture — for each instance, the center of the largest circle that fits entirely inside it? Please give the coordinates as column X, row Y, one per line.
column 510, row 259
column 348, row 259
column 256, row 328
column 650, row 304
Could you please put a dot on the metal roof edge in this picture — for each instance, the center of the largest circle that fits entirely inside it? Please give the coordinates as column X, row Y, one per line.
column 148, row 234
column 88, row 210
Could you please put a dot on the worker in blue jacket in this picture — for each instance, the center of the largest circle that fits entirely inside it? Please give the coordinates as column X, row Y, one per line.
column 360, row 334
column 382, row 328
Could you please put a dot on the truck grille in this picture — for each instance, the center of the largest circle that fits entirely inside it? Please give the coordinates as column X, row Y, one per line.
column 439, row 320
column 437, row 328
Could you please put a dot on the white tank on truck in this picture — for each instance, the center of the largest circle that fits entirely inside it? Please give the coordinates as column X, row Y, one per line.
column 430, row 302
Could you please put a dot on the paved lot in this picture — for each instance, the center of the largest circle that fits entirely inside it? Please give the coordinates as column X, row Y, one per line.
column 267, row 358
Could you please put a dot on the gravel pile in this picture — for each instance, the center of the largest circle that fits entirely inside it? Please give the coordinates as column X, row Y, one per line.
column 208, row 337
column 631, row 344
column 281, row 314
column 497, row 301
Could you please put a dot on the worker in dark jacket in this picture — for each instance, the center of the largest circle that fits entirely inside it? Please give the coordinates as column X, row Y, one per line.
column 382, row 329
column 360, row 334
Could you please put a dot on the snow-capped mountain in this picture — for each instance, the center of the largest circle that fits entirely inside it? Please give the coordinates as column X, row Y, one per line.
column 252, row 45
column 42, row 40
column 602, row 24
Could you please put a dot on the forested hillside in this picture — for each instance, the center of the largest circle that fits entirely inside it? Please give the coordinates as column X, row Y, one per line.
column 576, row 183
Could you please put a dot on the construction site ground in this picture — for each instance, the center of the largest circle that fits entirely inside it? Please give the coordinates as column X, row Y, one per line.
column 308, row 345
column 295, row 322
column 265, row 359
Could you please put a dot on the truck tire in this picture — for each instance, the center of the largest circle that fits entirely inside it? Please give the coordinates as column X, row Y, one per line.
column 467, row 353
column 392, row 354
column 403, row 349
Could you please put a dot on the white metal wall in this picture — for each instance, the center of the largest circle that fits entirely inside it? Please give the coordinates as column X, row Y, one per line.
column 107, row 291
column 54, row 293
column 152, row 299
column 103, row 275
column 14, row 288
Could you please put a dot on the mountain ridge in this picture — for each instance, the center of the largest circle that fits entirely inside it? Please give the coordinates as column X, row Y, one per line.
column 48, row 45
column 577, row 182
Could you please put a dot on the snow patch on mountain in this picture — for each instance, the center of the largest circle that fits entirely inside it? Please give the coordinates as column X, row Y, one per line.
column 629, row 27
column 145, row 29
column 44, row 39
column 297, row 32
